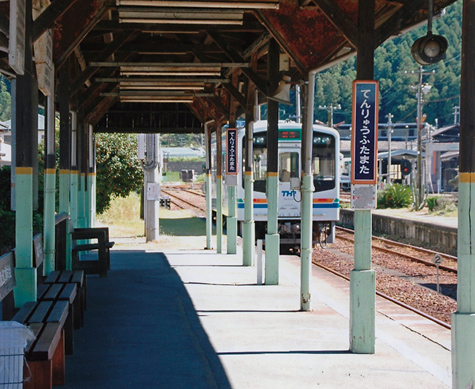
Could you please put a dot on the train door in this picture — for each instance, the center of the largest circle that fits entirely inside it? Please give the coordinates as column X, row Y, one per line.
column 289, row 167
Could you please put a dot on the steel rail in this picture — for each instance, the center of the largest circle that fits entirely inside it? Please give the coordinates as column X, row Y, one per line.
column 412, row 258
column 397, row 302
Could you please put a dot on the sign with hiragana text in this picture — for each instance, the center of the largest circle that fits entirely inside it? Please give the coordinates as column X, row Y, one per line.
column 364, row 136
column 232, row 163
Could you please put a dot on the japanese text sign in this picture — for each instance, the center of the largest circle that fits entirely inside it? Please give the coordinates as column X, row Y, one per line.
column 232, row 164
column 364, row 138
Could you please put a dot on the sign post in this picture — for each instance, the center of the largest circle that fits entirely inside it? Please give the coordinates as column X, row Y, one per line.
column 437, row 260
column 232, row 163
column 364, row 144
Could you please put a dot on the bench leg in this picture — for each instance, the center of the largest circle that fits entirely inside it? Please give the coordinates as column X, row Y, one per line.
column 69, row 328
column 40, row 375
column 59, row 363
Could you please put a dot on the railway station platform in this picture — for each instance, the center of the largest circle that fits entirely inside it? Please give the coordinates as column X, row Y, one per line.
column 192, row 318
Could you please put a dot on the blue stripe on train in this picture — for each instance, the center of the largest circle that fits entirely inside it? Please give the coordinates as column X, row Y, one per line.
column 326, row 205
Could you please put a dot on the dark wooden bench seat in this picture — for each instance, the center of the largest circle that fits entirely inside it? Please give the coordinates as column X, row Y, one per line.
column 103, row 246
column 45, row 355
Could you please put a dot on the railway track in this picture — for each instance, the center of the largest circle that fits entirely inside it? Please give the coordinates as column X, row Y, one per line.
column 181, row 201
column 401, row 275
column 413, row 253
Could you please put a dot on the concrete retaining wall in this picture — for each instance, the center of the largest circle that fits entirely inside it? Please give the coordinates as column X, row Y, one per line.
column 429, row 235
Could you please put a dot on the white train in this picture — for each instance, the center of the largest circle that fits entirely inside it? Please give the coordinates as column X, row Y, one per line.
column 326, row 181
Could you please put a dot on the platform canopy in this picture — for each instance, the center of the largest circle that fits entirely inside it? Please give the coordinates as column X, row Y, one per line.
column 169, row 66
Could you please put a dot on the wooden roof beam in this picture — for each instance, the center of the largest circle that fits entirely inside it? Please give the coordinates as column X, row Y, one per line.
column 47, row 18
column 339, row 19
column 396, row 22
column 236, row 57
column 103, row 56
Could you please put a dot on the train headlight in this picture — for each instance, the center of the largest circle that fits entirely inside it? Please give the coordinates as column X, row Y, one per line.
column 295, row 228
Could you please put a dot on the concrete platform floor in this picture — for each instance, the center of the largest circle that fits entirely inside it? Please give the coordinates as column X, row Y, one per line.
column 197, row 319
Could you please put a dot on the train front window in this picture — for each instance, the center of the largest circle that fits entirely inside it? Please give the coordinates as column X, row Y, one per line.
column 323, row 161
column 288, row 166
column 260, row 162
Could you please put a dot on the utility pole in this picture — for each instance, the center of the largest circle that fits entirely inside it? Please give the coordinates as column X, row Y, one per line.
column 390, row 130
column 421, row 88
column 456, row 114
column 330, row 109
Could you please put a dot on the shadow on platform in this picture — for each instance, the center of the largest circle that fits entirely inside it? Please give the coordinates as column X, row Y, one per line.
column 142, row 331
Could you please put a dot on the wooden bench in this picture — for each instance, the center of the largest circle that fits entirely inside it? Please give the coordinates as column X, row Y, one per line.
column 103, row 246
column 45, row 355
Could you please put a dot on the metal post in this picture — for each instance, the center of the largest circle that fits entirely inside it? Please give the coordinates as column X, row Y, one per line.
column 65, row 153
column 362, row 278
column 231, row 221
column 390, row 130
column 248, row 226
column 26, row 141
column 306, row 191
column 208, row 185
column 152, row 191
column 420, row 194
column 463, row 321
column 219, row 189
column 50, row 188
column 272, row 236
column 298, row 108
column 73, row 190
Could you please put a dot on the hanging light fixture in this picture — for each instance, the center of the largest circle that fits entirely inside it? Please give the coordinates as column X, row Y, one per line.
column 431, row 48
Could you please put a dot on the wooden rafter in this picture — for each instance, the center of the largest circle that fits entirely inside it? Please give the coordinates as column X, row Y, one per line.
column 47, row 18
column 340, row 20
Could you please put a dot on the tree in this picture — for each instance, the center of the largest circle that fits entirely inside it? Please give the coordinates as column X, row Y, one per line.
column 118, row 169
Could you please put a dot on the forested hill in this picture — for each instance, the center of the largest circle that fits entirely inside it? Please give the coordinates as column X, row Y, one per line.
column 393, row 62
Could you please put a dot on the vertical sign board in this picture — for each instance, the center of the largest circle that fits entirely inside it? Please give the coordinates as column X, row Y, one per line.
column 364, row 144
column 232, row 163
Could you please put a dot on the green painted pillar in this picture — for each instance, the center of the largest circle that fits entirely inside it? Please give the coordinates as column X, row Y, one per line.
column 65, row 153
column 90, row 199
column 49, row 190
column 219, row 189
column 272, row 236
column 463, row 320
column 81, row 209
column 362, row 278
column 272, row 184
column 25, row 126
column 219, row 214
column 74, row 199
column 362, row 288
column 25, row 273
column 306, row 242
column 231, row 222
column 248, row 226
column 209, row 210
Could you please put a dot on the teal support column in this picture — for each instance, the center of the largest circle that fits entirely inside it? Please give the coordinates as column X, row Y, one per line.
column 231, row 221
column 25, row 273
column 81, row 201
column 463, row 321
column 208, row 211
column 93, row 196
column 90, row 199
column 306, row 242
column 49, row 214
column 74, row 193
column 248, row 226
column 272, row 236
column 49, row 190
column 362, row 288
column 219, row 214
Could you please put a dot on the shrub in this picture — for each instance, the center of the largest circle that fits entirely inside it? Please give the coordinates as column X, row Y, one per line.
column 395, row 196
column 441, row 205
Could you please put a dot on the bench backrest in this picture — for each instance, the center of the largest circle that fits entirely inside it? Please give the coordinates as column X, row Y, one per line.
column 7, row 274
column 38, row 253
